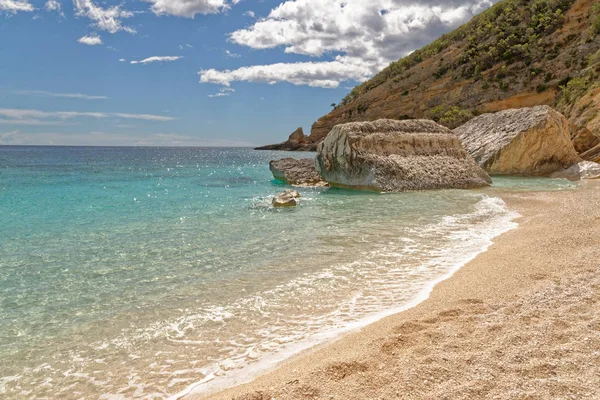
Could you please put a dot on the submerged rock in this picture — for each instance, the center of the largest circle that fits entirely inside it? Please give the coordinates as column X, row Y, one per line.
column 288, row 198
column 296, row 172
column 523, row 141
column 394, row 156
column 582, row 170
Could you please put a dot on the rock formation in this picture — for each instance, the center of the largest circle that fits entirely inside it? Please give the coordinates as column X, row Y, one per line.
column 288, row 198
column 583, row 170
column 582, row 139
column 297, row 141
column 523, row 141
column 296, row 172
column 395, row 156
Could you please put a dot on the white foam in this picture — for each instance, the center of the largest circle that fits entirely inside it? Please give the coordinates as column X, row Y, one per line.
column 493, row 219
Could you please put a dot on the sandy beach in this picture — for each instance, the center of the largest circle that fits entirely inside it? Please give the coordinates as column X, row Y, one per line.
column 521, row 321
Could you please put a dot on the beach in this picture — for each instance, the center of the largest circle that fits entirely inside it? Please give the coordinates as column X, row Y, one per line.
column 520, row 321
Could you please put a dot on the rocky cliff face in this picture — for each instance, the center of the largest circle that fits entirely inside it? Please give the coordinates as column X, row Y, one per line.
column 395, row 156
column 519, row 53
column 524, row 141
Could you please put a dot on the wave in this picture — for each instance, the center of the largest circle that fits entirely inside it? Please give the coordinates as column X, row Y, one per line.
column 385, row 281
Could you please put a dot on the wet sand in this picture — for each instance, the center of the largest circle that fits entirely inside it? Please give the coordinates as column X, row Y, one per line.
column 521, row 321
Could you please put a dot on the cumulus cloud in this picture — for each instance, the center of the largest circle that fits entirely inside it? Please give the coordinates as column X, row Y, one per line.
column 363, row 37
column 43, row 93
column 13, row 116
column 316, row 74
column 54, row 6
column 157, row 59
column 90, row 40
column 189, row 8
column 14, row 6
column 106, row 19
column 250, row 14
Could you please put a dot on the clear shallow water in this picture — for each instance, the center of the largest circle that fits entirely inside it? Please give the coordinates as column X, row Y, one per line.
column 140, row 272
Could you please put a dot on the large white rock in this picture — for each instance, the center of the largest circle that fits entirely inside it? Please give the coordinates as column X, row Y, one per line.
column 394, row 156
column 523, row 141
column 582, row 170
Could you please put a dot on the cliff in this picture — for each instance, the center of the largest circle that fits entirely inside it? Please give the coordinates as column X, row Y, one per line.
column 518, row 53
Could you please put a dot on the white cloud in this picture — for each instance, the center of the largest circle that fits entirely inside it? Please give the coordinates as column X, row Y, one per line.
column 20, row 114
column 111, row 139
column 14, row 6
column 223, row 92
column 189, row 8
column 250, row 14
column 147, row 117
column 54, row 6
column 13, row 116
column 90, row 40
column 106, row 19
column 43, row 93
column 316, row 74
column 33, row 122
column 122, row 60
column 157, row 59
column 362, row 37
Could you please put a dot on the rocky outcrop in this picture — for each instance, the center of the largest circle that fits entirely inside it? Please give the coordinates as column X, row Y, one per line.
column 297, row 141
column 524, row 141
column 585, row 117
column 583, row 139
column 288, row 198
column 296, row 172
column 394, row 156
column 582, row 170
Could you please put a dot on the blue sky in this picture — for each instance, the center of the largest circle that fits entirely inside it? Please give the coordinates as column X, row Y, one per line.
column 196, row 72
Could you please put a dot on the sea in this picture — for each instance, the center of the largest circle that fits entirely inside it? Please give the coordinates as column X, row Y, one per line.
column 150, row 273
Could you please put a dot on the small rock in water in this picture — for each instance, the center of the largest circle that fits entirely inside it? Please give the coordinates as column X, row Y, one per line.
column 286, row 199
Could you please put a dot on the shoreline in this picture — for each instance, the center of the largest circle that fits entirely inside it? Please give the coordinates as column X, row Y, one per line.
column 315, row 372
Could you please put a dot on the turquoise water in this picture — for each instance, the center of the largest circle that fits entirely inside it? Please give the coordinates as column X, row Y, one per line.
column 145, row 272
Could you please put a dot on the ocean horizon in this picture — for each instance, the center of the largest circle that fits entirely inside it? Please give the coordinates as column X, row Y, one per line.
column 151, row 271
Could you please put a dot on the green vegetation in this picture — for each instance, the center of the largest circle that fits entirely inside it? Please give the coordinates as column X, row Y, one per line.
column 595, row 19
column 509, row 31
column 451, row 116
column 573, row 90
column 594, row 58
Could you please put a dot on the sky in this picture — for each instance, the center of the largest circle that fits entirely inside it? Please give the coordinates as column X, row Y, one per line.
column 197, row 72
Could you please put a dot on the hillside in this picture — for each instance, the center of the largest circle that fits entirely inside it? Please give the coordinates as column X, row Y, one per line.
column 518, row 53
